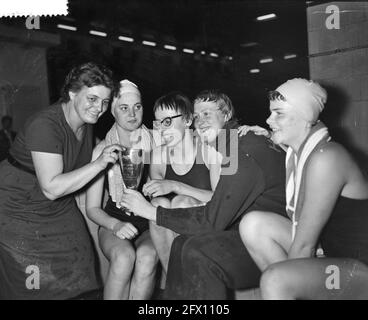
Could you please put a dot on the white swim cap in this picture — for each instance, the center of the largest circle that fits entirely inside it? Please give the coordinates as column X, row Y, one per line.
column 127, row 86
column 305, row 95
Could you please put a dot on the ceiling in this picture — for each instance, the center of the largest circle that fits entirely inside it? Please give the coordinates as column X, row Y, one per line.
column 226, row 27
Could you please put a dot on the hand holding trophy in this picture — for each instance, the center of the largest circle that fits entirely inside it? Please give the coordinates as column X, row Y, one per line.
column 131, row 167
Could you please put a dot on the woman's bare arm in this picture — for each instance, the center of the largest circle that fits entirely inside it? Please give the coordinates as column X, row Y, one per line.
column 56, row 184
column 94, row 198
column 159, row 186
column 325, row 178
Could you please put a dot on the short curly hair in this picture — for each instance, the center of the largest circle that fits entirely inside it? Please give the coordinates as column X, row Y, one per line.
column 88, row 74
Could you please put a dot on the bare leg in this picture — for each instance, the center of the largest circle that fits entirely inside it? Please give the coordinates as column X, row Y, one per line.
column 159, row 235
column 121, row 255
column 316, row 278
column 179, row 201
column 143, row 280
column 163, row 237
column 267, row 237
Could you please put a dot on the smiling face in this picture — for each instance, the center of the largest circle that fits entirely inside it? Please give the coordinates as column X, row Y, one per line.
column 208, row 120
column 286, row 124
column 90, row 102
column 173, row 134
column 128, row 111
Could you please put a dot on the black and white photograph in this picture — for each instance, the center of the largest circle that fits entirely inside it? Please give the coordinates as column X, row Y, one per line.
column 170, row 151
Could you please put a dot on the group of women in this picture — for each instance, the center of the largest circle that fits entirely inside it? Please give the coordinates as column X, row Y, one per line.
column 53, row 157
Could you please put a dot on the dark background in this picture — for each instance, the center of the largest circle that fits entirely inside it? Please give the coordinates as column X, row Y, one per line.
column 228, row 28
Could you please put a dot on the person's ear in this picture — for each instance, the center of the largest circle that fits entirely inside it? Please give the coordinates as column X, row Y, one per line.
column 188, row 122
column 113, row 105
column 227, row 117
column 72, row 95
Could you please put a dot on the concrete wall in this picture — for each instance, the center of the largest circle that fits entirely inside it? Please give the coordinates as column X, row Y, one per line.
column 24, row 85
column 339, row 60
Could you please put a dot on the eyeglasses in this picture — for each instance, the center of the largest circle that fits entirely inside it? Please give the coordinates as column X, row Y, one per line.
column 165, row 122
column 205, row 114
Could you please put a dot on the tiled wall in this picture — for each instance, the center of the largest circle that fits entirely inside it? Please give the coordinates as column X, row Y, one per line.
column 339, row 61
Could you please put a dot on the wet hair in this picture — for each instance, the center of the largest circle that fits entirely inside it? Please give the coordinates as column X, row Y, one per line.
column 221, row 99
column 6, row 118
column 175, row 101
column 275, row 95
column 88, row 74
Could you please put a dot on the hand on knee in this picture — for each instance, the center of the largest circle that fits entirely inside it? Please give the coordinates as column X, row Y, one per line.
column 161, row 201
column 181, row 201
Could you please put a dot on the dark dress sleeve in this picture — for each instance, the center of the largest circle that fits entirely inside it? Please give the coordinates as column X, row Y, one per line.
column 43, row 135
column 234, row 194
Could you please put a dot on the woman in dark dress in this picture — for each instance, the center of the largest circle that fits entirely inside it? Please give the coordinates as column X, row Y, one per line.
column 45, row 248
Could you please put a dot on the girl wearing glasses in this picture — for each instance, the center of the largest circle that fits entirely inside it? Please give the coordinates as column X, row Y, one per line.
column 124, row 238
column 179, row 175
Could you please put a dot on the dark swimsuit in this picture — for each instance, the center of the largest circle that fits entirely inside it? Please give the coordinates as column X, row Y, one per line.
column 140, row 223
column 198, row 176
column 346, row 232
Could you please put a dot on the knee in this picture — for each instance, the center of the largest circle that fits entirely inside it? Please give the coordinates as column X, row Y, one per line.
column 146, row 261
column 252, row 228
column 161, row 201
column 122, row 260
column 275, row 283
column 156, row 230
column 181, row 201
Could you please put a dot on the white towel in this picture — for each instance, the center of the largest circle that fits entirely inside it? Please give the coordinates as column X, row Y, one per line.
column 141, row 139
column 295, row 171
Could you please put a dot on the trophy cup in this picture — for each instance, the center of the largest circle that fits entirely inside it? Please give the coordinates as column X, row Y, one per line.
column 131, row 168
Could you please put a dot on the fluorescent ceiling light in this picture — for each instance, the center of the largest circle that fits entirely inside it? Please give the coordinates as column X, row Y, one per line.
column 289, row 56
column 188, row 50
column 149, row 43
column 266, row 17
column 266, row 60
column 230, row 57
column 66, row 27
column 203, row 53
column 249, row 44
column 169, row 47
column 254, row 70
column 213, row 54
column 98, row 33
column 127, row 39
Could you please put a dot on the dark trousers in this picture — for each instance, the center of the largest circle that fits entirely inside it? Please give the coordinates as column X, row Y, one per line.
column 209, row 267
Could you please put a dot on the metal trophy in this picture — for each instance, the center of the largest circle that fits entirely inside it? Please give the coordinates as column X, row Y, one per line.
column 131, row 168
